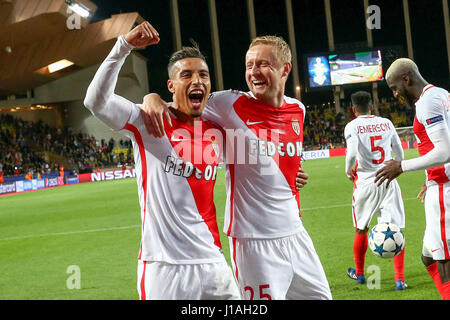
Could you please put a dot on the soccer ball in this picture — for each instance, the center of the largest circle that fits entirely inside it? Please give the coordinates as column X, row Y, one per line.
column 386, row 240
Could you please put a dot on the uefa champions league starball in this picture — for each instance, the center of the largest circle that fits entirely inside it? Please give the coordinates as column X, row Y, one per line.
column 386, row 240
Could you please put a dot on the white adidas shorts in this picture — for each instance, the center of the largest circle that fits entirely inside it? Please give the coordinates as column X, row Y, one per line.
column 205, row 281
column 279, row 269
column 386, row 203
column 436, row 240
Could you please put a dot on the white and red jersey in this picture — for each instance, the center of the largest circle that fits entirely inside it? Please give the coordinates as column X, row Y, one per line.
column 176, row 194
column 263, row 154
column 175, row 188
column 432, row 110
column 370, row 140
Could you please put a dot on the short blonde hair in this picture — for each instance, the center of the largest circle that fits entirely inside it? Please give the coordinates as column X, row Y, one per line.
column 282, row 49
column 400, row 67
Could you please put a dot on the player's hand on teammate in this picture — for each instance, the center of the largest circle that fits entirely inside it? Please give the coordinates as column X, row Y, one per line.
column 352, row 175
column 302, row 179
column 391, row 170
column 154, row 110
column 422, row 193
column 143, row 35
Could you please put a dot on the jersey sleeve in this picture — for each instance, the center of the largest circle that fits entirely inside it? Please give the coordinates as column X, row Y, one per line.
column 438, row 156
column 431, row 114
column 113, row 110
column 219, row 105
column 352, row 146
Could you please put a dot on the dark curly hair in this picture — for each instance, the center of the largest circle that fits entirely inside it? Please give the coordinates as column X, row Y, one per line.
column 361, row 100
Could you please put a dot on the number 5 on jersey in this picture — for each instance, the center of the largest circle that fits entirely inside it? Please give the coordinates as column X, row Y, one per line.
column 376, row 148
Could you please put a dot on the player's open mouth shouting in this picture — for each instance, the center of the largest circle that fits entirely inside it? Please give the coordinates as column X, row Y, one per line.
column 196, row 97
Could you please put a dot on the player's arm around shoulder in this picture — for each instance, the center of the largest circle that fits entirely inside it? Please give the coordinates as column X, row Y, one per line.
column 154, row 111
column 219, row 105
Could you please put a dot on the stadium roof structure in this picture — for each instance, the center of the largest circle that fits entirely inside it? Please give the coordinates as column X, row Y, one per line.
column 41, row 41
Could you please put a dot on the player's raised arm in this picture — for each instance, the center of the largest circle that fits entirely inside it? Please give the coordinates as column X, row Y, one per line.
column 100, row 97
column 143, row 35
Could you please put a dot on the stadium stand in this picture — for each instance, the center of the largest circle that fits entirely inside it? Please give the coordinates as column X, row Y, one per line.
column 38, row 148
column 43, row 123
column 35, row 147
column 324, row 128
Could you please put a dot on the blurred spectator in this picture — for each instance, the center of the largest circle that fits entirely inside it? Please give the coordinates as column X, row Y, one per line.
column 23, row 144
column 324, row 129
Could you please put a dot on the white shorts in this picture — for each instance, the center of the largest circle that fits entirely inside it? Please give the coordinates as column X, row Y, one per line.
column 205, row 281
column 436, row 241
column 386, row 203
column 279, row 269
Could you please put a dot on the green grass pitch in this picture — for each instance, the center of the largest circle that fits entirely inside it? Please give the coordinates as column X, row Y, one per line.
column 96, row 228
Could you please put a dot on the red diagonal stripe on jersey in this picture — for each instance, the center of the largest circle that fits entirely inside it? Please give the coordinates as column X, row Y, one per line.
column 202, row 190
column 262, row 119
column 436, row 174
column 140, row 142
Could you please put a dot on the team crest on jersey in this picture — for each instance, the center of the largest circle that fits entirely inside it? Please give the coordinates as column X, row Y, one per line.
column 296, row 126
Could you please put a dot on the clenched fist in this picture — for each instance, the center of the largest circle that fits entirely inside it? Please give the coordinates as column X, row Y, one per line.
column 143, row 35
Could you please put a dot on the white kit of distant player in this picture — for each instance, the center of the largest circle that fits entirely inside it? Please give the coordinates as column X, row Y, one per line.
column 370, row 141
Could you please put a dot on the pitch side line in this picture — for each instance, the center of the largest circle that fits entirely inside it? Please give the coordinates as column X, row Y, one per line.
column 336, row 206
column 68, row 233
column 343, row 205
column 138, row 226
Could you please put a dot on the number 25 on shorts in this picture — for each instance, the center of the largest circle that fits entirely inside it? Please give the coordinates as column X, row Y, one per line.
column 262, row 295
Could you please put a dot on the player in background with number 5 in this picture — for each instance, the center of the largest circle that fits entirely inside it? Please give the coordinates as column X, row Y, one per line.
column 370, row 140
